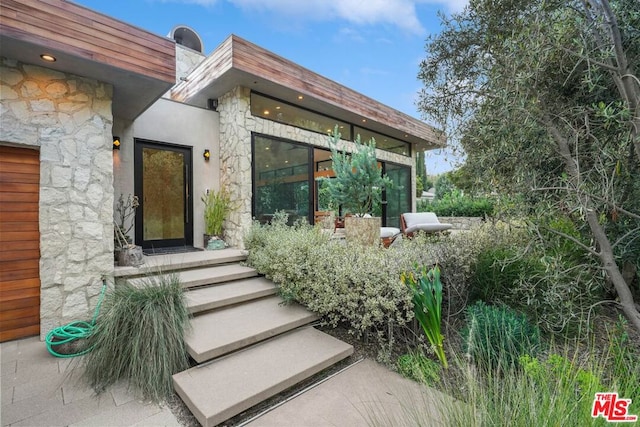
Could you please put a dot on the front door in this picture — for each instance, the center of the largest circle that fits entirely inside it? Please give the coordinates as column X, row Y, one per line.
column 163, row 182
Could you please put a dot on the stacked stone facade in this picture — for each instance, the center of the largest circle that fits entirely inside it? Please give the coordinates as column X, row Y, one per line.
column 236, row 126
column 461, row 222
column 186, row 61
column 68, row 118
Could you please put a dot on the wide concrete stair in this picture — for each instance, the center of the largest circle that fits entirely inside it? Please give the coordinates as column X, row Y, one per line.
column 247, row 346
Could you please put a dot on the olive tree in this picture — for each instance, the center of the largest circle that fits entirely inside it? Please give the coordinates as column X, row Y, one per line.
column 543, row 97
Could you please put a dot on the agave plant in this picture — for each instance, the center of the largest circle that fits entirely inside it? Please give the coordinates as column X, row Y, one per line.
column 427, row 305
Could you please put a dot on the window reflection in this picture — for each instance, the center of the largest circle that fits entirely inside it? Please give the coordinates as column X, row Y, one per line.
column 281, row 179
column 273, row 109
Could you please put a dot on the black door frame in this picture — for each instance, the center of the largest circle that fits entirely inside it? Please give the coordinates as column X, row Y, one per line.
column 139, row 145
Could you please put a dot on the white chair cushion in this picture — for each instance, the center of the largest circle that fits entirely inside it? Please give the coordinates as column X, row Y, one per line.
column 388, row 232
column 414, row 218
column 428, row 227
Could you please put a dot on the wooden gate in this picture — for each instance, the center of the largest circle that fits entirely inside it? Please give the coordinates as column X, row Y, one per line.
column 19, row 243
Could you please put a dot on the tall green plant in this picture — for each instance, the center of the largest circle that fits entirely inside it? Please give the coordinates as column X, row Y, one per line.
column 358, row 183
column 217, row 205
column 495, row 337
column 427, row 306
column 139, row 337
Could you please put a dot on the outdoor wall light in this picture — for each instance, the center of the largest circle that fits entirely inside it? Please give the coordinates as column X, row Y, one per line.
column 47, row 57
column 116, row 142
column 206, row 155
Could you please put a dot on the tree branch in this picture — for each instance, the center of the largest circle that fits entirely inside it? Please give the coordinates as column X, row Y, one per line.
column 625, row 236
column 612, row 205
column 574, row 240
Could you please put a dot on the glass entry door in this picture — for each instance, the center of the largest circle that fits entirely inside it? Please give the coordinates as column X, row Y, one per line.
column 163, row 184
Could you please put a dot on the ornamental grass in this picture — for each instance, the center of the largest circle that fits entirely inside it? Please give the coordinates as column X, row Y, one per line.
column 139, row 338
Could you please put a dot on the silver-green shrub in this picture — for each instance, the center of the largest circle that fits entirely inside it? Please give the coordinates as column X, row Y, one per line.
column 348, row 285
column 360, row 287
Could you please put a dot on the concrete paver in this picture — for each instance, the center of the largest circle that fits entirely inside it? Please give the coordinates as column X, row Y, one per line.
column 365, row 394
column 256, row 373
column 41, row 390
column 223, row 331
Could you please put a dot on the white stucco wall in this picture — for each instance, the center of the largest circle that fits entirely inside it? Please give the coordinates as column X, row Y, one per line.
column 174, row 123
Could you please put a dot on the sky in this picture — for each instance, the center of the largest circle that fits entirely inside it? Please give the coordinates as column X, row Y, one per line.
column 372, row 46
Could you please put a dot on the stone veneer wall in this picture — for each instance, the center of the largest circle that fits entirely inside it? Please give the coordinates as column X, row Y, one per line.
column 461, row 222
column 186, row 60
column 69, row 119
column 236, row 126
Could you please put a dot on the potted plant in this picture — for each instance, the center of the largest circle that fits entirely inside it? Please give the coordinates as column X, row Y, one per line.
column 357, row 187
column 217, row 205
column 125, row 252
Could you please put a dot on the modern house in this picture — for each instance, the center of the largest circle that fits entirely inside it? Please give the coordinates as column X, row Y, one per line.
column 74, row 81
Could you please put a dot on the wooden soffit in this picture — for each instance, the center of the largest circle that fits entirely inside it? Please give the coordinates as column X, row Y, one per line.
column 237, row 62
column 139, row 64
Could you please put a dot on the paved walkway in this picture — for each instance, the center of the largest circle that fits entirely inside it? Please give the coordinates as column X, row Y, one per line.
column 366, row 394
column 38, row 389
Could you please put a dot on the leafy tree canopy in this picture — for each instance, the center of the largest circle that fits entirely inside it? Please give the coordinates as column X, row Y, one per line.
column 545, row 101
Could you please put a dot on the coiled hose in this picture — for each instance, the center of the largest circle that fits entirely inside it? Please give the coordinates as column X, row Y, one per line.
column 74, row 331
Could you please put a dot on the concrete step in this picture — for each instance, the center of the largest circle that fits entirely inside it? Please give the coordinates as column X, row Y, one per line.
column 222, row 331
column 222, row 295
column 225, row 387
column 211, row 275
column 173, row 262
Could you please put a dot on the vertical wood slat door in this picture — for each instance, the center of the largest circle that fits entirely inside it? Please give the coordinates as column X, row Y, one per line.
column 19, row 243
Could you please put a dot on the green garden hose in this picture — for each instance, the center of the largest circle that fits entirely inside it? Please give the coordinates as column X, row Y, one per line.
column 74, row 331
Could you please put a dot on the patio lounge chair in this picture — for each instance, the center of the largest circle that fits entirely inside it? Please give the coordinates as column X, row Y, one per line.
column 421, row 221
column 388, row 235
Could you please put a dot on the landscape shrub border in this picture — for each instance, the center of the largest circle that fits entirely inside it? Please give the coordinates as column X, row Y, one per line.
column 359, row 287
column 456, row 204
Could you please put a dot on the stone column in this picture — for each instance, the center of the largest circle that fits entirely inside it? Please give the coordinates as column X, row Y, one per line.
column 69, row 119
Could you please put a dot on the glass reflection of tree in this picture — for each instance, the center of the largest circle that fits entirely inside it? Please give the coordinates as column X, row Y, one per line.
column 301, row 197
column 398, row 199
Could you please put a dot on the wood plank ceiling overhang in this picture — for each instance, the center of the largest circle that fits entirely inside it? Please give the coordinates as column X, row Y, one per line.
column 237, row 62
column 140, row 65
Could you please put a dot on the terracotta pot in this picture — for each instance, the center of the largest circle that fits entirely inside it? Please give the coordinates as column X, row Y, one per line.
column 363, row 231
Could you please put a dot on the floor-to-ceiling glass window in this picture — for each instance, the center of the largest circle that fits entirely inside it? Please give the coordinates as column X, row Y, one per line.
column 286, row 178
column 281, row 179
column 399, row 197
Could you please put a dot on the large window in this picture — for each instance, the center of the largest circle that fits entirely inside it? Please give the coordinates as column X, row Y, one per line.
column 384, row 142
column 399, row 197
column 281, row 177
column 285, row 178
column 283, row 112
column 279, row 111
